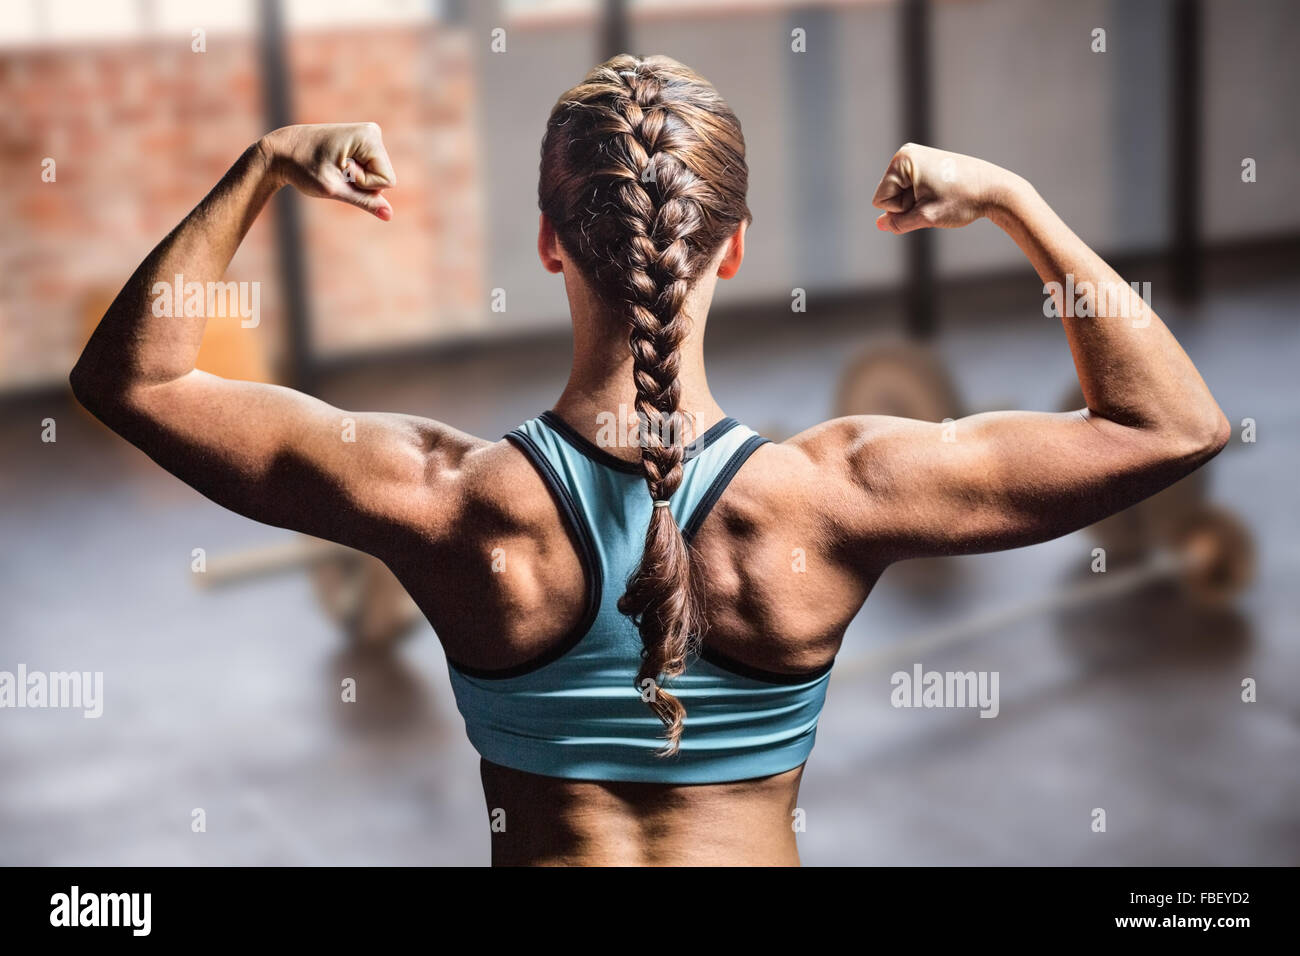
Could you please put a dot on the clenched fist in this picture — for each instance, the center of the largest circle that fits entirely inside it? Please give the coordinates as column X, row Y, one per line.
column 343, row 161
column 924, row 187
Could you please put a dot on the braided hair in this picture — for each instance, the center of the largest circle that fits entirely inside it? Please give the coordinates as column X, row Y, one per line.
column 643, row 177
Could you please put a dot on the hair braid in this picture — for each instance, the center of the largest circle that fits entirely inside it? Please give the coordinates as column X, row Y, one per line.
column 663, row 185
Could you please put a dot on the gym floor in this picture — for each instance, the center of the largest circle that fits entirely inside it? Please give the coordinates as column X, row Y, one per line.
column 228, row 700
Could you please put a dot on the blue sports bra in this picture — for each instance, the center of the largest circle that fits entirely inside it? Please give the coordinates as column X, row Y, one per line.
column 573, row 712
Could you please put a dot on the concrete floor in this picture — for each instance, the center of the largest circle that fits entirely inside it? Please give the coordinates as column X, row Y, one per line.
column 228, row 701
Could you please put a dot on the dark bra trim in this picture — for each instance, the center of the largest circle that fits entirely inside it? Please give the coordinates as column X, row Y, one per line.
column 590, row 449
column 701, row 512
column 574, row 517
column 723, row 662
column 719, row 484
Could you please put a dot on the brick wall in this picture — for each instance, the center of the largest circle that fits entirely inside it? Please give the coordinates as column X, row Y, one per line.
column 140, row 132
column 374, row 283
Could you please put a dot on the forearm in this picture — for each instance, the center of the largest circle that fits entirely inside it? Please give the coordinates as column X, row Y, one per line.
column 1131, row 368
column 131, row 345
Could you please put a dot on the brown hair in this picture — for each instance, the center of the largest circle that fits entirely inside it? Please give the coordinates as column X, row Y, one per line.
column 643, row 177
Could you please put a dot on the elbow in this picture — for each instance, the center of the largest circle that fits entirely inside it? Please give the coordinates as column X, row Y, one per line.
column 1204, row 438
column 102, row 397
column 1215, row 433
column 1222, row 433
column 78, row 382
column 82, row 390
column 87, row 389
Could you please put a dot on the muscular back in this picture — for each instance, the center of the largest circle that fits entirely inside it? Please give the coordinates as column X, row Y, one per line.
column 502, row 583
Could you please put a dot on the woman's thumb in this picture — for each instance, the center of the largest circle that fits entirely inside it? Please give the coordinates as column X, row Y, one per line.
column 371, row 201
column 901, row 222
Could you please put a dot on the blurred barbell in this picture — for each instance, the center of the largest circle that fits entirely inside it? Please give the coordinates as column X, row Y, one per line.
column 1210, row 558
column 902, row 378
column 356, row 590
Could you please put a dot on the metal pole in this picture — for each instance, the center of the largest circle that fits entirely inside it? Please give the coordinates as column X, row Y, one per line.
column 299, row 371
column 1185, row 148
column 614, row 36
column 914, row 20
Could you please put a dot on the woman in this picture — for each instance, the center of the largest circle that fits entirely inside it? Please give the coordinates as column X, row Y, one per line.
column 640, row 632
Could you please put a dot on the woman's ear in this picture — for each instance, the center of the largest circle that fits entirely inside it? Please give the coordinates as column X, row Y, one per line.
column 548, row 246
column 733, row 254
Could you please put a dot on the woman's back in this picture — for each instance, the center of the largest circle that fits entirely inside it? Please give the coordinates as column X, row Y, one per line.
column 506, row 586
column 542, row 662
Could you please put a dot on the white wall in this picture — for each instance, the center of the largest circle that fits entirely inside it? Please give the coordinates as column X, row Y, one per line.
column 1015, row 81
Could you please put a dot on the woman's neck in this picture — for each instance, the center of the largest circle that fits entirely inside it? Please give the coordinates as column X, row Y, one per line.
column 601, row 389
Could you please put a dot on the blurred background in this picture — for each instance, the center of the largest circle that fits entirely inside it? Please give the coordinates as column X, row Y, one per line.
column 1169, row 141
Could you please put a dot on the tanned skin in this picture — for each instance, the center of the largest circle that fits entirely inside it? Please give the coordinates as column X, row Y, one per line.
column 856, row 494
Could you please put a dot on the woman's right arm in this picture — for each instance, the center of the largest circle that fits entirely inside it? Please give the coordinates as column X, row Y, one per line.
column 270, row 453
column 1005, row 479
